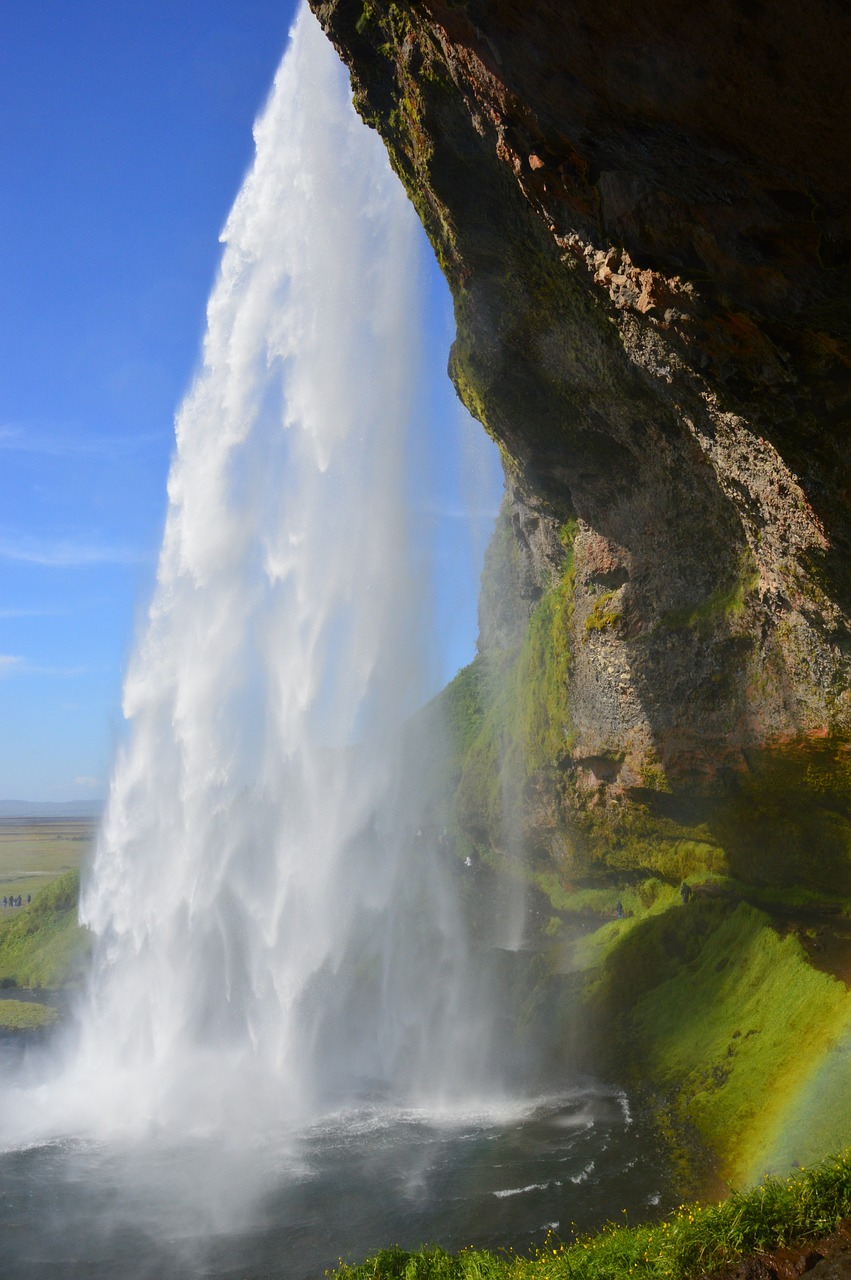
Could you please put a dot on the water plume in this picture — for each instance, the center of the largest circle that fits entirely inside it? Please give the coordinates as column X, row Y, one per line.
column 274, row 932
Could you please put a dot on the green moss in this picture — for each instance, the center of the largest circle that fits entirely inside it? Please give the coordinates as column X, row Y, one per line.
column 467, row 385
column 367, row 17
column 542, row 679
column 807, row 1123
column 681, row 858
column 386, row 26
column 783, row 822
column 603, row 616
column 599, row 899
column 782, row 819
column 541, row 689
column 43, row 945
column 404, row 92
column 593, row 950
column 25, row 1015
column 729, row 1021
column 653, row 776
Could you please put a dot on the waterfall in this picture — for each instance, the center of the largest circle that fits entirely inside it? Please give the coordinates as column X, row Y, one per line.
column 273, row 920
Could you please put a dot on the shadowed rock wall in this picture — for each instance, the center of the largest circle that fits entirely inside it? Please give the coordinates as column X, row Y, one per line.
column 642, row 214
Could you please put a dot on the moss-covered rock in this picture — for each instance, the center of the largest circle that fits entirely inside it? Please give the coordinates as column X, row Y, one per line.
column 729, row 1022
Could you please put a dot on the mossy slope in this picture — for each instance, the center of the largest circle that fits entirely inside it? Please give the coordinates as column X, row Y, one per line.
column 735, row 1030
column 42, row 945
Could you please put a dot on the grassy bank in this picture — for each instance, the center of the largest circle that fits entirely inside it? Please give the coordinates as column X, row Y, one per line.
column 688, row 1243
column 25, row 1015
column 742, row 1042
column 42, row 945
column 716, row 1010
column 734, row 1033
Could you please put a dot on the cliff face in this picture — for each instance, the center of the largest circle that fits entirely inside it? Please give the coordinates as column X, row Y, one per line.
column 643, row 218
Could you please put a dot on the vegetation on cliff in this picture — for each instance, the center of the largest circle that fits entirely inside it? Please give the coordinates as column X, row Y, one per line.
column 724, row 1009
column 507, row 717
column 522, row 789
column 26, row 1015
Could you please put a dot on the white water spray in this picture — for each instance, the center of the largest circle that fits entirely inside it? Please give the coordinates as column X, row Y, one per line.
column 272, row 927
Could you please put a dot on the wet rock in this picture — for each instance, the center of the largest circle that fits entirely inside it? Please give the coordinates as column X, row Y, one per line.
column 828, row 1258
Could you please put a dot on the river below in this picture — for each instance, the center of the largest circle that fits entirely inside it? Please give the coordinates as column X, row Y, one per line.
column 293, row 1204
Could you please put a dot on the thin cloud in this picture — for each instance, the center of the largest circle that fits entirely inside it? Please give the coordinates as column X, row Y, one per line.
column 13, row 664
column 88, row 783
column 65, row 553
column 17, row 440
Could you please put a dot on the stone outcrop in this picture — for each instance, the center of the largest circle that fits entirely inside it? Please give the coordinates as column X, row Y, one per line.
column 827, row 1258
column 643, row 215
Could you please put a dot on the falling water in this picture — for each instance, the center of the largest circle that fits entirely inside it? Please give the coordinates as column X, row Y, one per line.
column 280, row 1056
column 273, row 929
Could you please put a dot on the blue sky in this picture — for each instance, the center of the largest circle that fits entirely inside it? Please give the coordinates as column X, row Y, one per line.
column 125, row 131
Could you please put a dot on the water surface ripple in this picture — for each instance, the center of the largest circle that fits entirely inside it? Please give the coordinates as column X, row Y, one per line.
column 295, row 1203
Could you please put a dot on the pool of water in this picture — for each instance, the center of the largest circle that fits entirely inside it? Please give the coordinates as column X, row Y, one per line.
column 291, row 1204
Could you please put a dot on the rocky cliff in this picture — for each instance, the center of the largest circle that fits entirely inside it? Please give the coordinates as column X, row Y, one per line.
column 643, row 218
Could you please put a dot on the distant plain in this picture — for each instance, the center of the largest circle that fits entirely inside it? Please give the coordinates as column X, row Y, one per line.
column 34, row 851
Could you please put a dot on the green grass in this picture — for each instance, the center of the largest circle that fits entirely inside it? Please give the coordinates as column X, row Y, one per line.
column 693, row 1240
column 593, row 949
column 43, row 946
column 25, row 1015
column 542, row 675
column 601, row 900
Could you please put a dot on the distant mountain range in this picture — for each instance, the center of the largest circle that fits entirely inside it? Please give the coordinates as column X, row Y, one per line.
column 50, row 808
